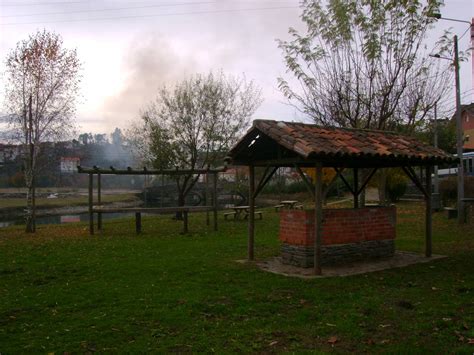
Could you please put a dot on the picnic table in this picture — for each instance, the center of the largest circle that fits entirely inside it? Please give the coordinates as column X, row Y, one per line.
column 241, row 212
column 289, row 205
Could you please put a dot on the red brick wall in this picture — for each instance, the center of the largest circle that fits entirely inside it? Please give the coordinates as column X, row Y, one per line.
column 340, row 226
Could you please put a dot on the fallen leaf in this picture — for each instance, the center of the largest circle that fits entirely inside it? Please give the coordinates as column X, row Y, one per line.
column 384, row 325
column 332, row 340
column 385, row 341
column 434, row 288
column 470, row 340
column 447, row 319
column 274, row 343
column 405, row 304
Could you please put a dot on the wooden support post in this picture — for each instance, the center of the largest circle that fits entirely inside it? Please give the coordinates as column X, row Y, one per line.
column 267, row 175
column 428, row 214
column 206, row 199
column 215, row 201
column 185, row 222
column 33, row 204
column 161, row 190
column 138, row 222
column 356, row 188
column 251, row 219
column 318, row 212
column 307, row 183
column 99, row 201
column 91, row 201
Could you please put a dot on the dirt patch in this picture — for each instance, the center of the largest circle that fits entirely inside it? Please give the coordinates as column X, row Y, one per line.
column 400, row 259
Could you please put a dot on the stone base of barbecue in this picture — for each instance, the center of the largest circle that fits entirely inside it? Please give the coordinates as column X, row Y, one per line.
column 303, row 256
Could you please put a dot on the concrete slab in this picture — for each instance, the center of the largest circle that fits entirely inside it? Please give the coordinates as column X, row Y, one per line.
column 400, row 259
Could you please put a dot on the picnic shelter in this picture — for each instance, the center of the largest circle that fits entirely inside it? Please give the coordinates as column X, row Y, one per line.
column 324, row 235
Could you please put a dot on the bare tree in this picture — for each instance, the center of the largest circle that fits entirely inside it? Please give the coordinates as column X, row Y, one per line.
column 41, row 90
column 193, row 124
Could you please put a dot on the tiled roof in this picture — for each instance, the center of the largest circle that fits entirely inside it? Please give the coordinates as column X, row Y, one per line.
column 312, row 141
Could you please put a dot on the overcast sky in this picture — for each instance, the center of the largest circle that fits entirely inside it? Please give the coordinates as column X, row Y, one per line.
column 131, row 48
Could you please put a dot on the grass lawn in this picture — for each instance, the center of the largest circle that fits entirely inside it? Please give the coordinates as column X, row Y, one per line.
column 64, row 291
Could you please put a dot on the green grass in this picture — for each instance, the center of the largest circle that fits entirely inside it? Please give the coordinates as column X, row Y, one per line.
column 64, row 291
column 67, row 201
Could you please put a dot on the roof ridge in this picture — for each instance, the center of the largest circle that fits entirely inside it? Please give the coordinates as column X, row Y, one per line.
column 256, row 121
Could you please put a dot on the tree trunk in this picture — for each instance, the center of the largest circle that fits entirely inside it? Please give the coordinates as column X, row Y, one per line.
column 181, row 202
column 30, row 172
column 30, row 203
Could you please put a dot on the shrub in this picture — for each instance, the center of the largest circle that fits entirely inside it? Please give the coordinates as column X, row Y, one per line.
column 448, row 189
column 396, row 185
column 17, row 180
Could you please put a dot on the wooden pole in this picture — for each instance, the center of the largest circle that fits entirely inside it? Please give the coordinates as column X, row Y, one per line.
column 251, row 226
column 428, row 214
column 185, row 222
column 161, row 190
column 356, row 188
column 33, row 203
column 318, row 212
column 91, row 201
column 99, row 215
column 215, row 201
column 138, row 222
column 206, row 198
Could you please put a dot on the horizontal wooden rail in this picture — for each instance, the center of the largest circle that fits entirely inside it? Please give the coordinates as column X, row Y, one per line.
column 103, row 209
column 145, row 171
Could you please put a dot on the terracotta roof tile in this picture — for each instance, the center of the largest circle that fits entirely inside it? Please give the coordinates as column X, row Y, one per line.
column 312, row 140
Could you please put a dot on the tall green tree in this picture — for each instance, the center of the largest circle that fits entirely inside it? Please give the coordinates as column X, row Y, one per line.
column 363, row 63
column 193, row 124
column 42, row 84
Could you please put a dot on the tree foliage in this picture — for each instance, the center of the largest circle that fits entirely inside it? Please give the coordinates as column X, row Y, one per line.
column 42, row 84
column 193, row 124
column 362, row 63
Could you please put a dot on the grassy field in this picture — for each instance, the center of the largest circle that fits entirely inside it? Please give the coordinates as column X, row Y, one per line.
column 64, row 291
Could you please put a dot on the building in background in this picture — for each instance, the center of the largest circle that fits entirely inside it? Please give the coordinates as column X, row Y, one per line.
column 68, row 165
column 467, row 117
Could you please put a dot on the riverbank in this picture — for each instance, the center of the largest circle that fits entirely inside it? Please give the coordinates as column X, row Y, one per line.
column 48, row 203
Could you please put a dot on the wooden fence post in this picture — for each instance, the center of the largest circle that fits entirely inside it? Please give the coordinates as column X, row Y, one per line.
column 215, row 201
column 318, row 212
column 251, row 225
column 99, row 202
column 91, row 201
column 428, row 214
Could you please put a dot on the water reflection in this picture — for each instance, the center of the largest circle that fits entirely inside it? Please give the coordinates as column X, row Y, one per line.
column 63, row 219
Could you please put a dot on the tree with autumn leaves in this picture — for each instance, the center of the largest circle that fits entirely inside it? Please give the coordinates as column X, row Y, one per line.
column 42, row 85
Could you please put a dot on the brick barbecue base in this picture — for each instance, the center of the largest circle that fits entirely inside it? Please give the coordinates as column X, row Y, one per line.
column 348, row 235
